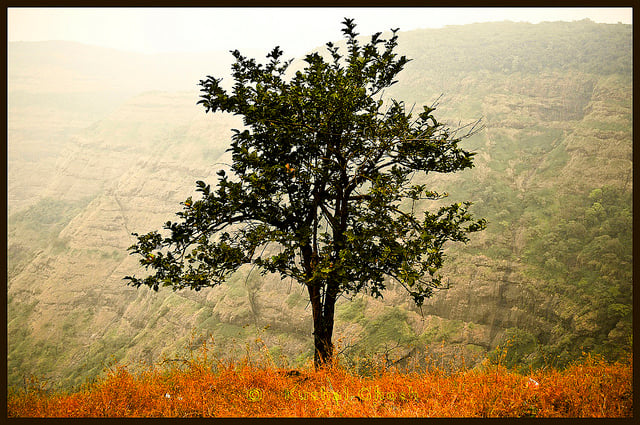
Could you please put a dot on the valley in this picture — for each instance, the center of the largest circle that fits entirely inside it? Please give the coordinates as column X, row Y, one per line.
column 104, row 143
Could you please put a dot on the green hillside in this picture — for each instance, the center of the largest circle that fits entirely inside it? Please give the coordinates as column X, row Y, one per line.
column 550, row 277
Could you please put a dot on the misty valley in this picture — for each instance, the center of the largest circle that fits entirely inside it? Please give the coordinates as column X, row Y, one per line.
column 103, row 143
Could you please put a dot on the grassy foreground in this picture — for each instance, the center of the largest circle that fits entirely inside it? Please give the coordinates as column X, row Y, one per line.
column 201, row 387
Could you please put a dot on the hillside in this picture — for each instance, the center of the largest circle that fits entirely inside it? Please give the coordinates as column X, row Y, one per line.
column 96, row 153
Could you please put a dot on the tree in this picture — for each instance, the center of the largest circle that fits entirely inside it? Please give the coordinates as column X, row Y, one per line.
column 321, row 188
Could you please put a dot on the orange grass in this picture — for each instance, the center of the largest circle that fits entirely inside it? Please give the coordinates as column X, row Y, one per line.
column 205, row 388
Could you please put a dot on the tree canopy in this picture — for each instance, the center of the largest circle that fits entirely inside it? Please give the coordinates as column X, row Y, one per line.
column 320, row 186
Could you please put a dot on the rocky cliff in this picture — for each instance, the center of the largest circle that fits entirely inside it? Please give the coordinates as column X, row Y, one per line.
column 98, row 152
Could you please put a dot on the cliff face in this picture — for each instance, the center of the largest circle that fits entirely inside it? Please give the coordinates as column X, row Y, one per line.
column 96, row 154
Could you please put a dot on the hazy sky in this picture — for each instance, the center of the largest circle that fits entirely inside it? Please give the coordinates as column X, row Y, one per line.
column 296, row 30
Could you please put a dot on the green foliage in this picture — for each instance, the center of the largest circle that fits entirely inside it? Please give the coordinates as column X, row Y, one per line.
column 517, row 348
column 37, row 228
column 507, row 49
column 321, row 170
column 50, row 214
column 352, row 312
column 443, row 332
column 389, row 327
column 586, row 253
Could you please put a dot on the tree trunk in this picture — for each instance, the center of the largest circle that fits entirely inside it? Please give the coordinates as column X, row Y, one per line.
column 323, row 318
column 323, row 348
column 323, row 310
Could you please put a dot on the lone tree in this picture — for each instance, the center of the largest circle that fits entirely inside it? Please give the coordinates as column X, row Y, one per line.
column 321, row 189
